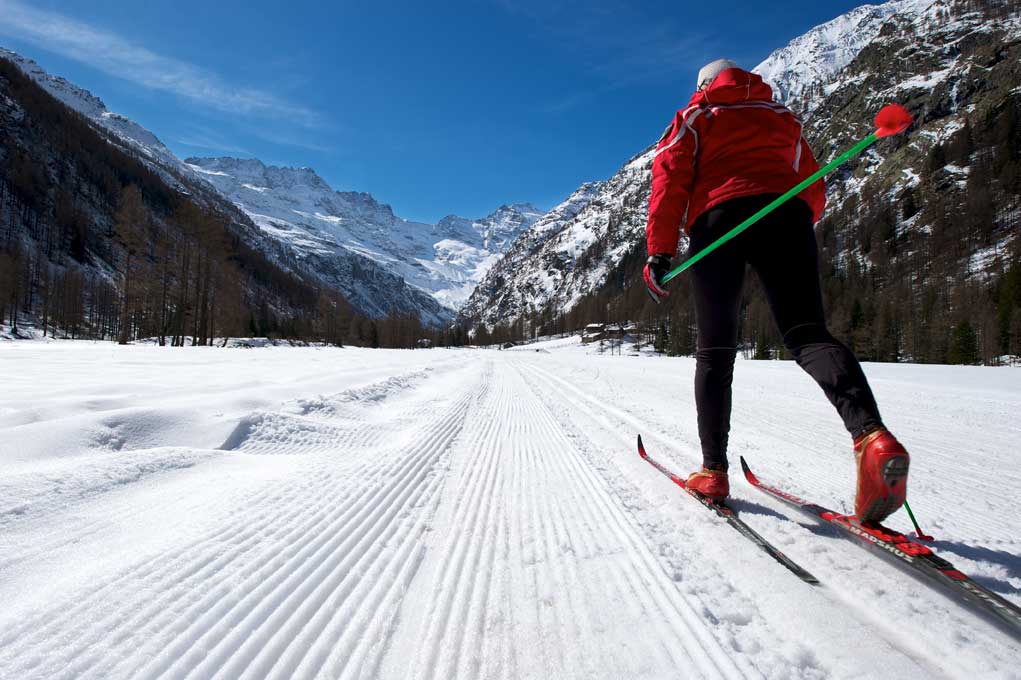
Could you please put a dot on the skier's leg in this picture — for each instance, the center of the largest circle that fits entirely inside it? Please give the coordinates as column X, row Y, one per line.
column 717, row 282
column 785, row 256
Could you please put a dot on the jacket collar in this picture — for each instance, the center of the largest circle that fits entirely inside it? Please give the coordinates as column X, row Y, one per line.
column 732, row 86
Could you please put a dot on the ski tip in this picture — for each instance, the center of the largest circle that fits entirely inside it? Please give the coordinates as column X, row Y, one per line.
column 641, row 447
column 752, row 479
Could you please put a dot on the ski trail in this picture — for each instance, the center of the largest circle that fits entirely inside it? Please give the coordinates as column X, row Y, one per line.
column 461, row 514
column 877, row 637
column 529, row 580
column 307, row 568
column 196, row 563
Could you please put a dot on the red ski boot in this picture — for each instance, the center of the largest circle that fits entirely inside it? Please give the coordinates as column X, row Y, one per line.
column 712, row 484
column 882, row 475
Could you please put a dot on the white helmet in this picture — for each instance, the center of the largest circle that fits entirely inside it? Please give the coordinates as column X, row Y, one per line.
column 708, row 73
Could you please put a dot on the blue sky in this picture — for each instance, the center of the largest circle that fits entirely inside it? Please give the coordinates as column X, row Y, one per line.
column 433, row 107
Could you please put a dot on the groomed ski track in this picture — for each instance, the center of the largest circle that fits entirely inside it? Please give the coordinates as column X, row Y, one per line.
column 300, row 513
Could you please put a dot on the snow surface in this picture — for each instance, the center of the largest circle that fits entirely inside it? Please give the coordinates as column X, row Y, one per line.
column 314, row 512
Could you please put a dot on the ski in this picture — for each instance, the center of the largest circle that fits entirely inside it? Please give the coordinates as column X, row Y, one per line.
column 727, row 513
column 914, row 558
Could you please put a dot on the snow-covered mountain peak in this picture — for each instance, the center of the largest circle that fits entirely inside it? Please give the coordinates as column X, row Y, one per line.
column 298, row 207
column 506, row 223
column 253, row 172
column 799, row 71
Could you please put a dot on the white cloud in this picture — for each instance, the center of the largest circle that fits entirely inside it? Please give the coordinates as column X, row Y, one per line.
column 119, row 57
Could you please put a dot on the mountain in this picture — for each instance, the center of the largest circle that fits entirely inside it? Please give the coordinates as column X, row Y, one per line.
column 127, row 134
column 801, row 73
column 348, row 241
column 919, row 242
column 296, row 207
column 98, row 242
column 538, row 270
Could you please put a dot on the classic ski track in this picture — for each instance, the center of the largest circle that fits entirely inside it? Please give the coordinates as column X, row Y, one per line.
column 503, row 485
column 199, row 564
column 274, row 615
column 696, row 609
column 665, row 591
column 469, row 545
column 346, row 405
column 867, row 616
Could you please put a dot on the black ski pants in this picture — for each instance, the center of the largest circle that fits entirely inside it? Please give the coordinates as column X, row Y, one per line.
column 781, row 248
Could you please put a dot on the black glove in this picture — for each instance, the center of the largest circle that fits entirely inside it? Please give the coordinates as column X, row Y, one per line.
column 656, row 267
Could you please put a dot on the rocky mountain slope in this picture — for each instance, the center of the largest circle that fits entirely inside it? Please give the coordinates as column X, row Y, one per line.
column 801, row 72
column 956, row 64
column 97, row 243
column 346, row 240
column 300, row 210
column 127, row 134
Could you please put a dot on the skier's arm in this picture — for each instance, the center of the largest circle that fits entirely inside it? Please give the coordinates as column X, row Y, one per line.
column 673, row 171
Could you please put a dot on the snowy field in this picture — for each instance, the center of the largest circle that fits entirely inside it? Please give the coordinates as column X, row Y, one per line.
column 348, row 513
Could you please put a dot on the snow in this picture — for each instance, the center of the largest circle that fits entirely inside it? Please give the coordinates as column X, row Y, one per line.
column 445, row 260
column 927, row 80
column 982, row 260
column 820, row 54
column 323, row 512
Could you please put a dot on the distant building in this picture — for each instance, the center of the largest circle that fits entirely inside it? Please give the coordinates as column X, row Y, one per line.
column 594, row 332
column 424, row 343
column 614, row 331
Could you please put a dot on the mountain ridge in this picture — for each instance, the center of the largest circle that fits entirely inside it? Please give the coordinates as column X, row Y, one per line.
column 300, row 209
column 370, row 242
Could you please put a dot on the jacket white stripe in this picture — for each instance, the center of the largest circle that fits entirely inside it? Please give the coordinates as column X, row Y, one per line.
column 797, row 152
column 771, row 106
column 686, row 125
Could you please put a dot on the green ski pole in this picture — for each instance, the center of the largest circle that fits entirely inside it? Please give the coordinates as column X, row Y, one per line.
column 918, row 529
column 890, row 120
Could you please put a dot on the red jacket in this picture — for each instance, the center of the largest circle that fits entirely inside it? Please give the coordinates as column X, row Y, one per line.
column 733, row 140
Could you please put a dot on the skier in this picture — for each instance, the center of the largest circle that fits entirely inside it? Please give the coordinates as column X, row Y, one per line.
column 728, row 154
